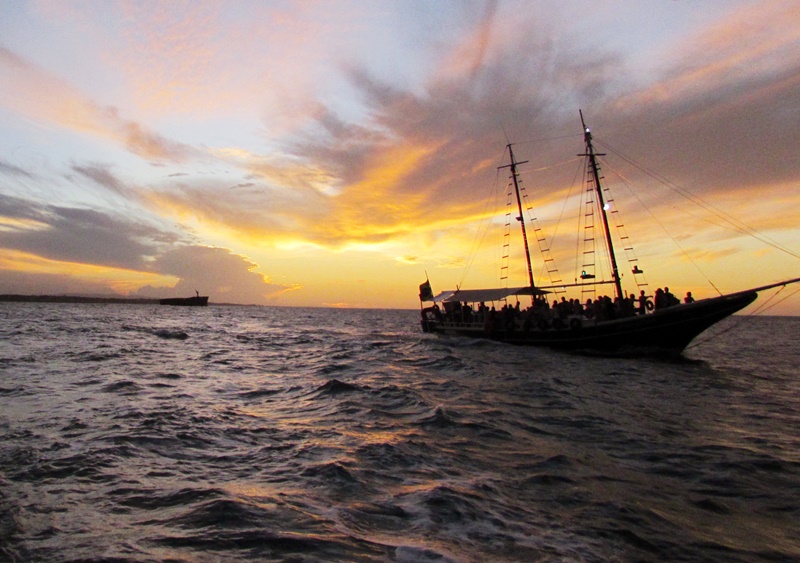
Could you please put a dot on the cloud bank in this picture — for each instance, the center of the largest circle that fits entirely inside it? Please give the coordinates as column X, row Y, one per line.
column 243, row 133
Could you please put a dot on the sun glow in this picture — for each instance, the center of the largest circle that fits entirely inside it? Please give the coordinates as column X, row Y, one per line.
column 14, row 224
column 118, row 280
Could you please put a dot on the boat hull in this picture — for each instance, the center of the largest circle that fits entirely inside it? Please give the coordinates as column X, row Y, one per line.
column 198, row 301
column 669, row 330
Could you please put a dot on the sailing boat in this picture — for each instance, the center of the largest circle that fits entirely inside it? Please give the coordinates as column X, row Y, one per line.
column 624, row 325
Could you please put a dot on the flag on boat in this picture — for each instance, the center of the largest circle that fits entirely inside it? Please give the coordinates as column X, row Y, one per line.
column 425, row 291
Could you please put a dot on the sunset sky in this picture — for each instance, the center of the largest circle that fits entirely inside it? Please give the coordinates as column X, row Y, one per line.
column 334, row 153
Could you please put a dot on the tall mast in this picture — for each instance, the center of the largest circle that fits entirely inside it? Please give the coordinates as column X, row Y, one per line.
column 520, row 218
column 587, row 136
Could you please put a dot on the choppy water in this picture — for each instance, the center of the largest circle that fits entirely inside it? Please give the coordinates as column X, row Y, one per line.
column 142, row 433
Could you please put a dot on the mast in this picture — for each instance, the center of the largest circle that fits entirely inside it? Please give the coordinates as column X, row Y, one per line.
column 587, row 136
column 520, row 218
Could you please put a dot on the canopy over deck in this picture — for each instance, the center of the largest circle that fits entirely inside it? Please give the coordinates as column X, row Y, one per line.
column 477, row 295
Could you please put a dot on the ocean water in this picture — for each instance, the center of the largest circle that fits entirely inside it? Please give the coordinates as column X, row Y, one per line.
column 147, row 433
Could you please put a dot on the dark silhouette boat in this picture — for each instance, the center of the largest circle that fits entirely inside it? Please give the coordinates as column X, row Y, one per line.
column 196, row 301
column 621, row 326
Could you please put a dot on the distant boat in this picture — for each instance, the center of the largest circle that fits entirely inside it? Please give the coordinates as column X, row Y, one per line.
column 196, row 301
column 624, row 325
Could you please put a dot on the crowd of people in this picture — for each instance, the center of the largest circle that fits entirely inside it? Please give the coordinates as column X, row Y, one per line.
column 559, row 314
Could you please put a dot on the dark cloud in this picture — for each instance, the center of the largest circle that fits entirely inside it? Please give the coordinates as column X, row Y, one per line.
column 11, row 170
column 103, row 177
column 85, row 236
column 217, row 272
column 19, row 208
column 736, row 137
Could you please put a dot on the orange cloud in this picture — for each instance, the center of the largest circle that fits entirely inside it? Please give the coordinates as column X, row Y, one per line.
column 295, row 202
column 376, row 206
column 118, row 280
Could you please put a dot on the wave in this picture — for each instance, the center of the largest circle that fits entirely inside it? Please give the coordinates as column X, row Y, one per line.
column 10, row 523
column 333, row 474
column 336, row 387
column 158, row 499
column 258, row 393
column 15, row 391
column 438, row 417
column 169, row 375
column 170, row 334
column 270, row 438
column 125, row 387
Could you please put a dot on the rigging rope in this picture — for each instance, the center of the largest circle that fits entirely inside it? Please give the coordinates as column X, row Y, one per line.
column 545, row 139
column 473, row 253
column 738, row 225
column 660, row 224
column 564, row 206
column 763, row 308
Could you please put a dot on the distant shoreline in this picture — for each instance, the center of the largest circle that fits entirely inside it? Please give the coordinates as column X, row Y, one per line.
column 13, row 298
